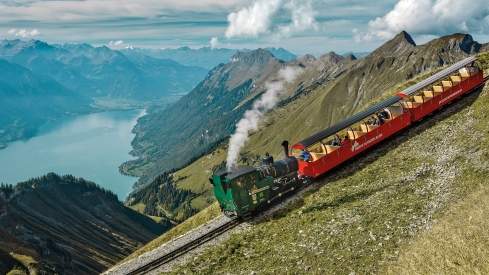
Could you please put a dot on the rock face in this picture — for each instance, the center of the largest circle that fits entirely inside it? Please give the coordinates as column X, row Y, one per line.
column 69, row 225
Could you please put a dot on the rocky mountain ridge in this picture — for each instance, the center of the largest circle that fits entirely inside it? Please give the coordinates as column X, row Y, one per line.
column 205, row 57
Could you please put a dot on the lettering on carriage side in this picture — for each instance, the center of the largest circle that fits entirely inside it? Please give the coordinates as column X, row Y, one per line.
column 450, row 97
column 357, row 146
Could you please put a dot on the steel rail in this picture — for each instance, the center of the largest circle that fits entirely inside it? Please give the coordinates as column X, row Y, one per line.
column 182, row 250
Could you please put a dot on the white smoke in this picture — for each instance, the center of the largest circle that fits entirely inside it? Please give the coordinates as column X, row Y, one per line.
column 252, row 118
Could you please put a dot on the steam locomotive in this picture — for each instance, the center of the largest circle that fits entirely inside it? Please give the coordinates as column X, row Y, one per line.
column 247, row 190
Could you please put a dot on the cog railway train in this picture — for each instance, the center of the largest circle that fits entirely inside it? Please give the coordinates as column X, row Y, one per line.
column 245, row 191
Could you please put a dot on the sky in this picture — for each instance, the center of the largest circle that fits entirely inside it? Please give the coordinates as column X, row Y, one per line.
column 302, row 26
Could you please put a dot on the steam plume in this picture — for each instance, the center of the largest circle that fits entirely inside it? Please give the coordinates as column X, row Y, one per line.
column 251, row 119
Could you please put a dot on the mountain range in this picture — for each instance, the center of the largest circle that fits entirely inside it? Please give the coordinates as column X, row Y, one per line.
column 101, row 71
column 30, row 100
column 63, row 224
column 205, row 57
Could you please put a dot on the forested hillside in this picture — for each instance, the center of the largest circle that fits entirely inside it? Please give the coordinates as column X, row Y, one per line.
column 202, row 118
column 66, row 225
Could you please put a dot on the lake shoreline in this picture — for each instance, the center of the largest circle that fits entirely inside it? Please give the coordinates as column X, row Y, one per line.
column 89, row 146
column 94, row 109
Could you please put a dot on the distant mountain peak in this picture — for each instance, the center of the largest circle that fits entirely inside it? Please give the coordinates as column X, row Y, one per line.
column 405, row 37
column 332, row 57
column 307, row 58
column 401, row 43
column 185, row 48
column 260, row 56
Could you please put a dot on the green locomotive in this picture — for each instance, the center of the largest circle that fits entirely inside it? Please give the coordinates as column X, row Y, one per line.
column 244, row 191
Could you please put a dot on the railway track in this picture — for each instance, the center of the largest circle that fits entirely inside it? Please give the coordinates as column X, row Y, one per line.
column 177, row 252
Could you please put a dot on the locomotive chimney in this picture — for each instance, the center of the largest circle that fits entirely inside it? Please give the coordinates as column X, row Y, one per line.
column 285, row 144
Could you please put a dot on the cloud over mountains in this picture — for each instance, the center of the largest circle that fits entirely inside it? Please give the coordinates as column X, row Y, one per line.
column 430, row 17
column 257, row 19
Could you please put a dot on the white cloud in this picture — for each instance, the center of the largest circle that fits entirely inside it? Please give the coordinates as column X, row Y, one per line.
column 303, row 17
column 23, row 33
column 253, row 20
column 430, row 17
column 214, row 42
column 257, row 19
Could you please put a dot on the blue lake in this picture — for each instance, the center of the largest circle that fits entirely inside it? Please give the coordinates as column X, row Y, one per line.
column 89, row 146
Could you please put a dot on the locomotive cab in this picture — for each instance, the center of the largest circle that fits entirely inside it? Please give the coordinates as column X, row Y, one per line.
column 243, row 191
column 239, row 191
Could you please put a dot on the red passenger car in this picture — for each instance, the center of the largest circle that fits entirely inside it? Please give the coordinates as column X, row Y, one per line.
column 335, row 145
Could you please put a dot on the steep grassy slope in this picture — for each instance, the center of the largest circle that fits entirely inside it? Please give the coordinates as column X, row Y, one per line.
column 457, row 243
column 66, row 225
column 458, row 239
column 202, row 119
column 360, row 217
column 331, row 93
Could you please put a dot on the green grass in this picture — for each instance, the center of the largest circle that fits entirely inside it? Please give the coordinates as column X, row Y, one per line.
column 198, row 172
column 457, row 244
column 359, row 218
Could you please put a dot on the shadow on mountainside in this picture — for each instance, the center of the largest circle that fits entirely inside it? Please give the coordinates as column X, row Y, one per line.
column 361, row 161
